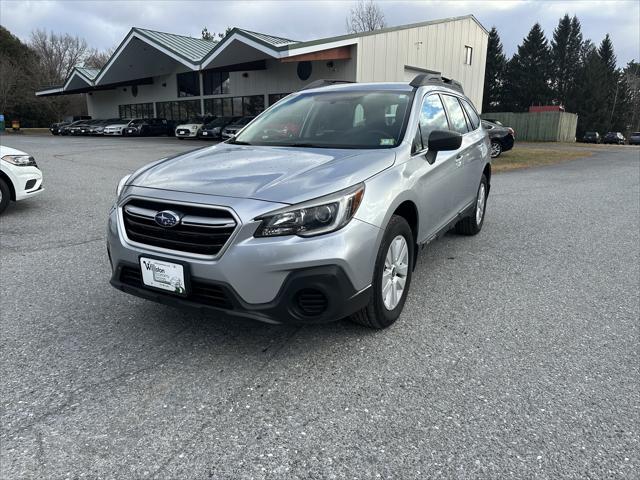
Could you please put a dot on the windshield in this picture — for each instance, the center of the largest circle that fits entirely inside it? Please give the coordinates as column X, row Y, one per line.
column 348, row 119
column 137, row 121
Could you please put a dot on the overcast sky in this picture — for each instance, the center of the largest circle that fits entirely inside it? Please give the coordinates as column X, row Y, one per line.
column 105, row 23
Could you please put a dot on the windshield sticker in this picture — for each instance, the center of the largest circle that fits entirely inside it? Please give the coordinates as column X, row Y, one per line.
column 387, row 141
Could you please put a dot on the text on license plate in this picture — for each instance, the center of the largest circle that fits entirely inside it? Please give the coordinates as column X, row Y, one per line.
column 164, row 275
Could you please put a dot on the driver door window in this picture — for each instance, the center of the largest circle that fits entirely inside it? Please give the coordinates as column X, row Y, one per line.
column 432, row 117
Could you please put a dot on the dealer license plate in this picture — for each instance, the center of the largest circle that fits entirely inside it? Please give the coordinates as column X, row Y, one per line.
column 163, row 275
column 205, row 133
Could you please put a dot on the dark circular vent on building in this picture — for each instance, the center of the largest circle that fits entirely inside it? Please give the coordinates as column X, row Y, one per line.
column 304, row 70
column 134, row 90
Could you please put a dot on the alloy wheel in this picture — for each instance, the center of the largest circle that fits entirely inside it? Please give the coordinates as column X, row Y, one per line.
column 394, row 275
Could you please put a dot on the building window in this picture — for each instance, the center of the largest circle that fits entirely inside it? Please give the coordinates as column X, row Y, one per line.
column 234, row 106
column 180, row 111
column 276, row 97
column 188, row 84
column 468, row 54
column 136, row 110
column 215, row 83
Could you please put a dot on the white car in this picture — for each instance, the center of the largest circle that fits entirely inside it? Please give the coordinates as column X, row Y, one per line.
column 192, row 128
column 116, row 128
column 20, row 177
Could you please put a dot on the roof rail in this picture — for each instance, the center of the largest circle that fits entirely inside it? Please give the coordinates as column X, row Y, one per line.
column 433, row 79
column 323, row 83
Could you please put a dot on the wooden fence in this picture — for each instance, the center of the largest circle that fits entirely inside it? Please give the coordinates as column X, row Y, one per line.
column 539, row 126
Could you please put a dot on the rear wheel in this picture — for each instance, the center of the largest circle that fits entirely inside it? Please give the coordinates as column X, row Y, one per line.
column 472, row 224
column 5, row 195
column 391, row 277
column 496, row 149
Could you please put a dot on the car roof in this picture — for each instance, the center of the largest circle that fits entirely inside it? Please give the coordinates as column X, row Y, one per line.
column 359, row 87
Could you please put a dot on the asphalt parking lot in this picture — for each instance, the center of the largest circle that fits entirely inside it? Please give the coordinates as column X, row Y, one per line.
column 517, row 354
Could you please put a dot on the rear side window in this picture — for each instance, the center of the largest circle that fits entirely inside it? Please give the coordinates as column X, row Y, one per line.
column 456, row 115
column 432, row 117
column 472, row 116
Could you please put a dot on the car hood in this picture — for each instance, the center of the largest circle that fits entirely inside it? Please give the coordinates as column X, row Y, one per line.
column 116, row 125
column 276, row 174
column 10, row 151
column 190, row 125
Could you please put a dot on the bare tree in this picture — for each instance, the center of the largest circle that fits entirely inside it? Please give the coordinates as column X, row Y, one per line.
column 10, row 76
column 57, row 54
column 365, row 16
column 96, row 58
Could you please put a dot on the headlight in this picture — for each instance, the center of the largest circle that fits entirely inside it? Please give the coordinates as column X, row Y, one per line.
column 121, row 185
column 20, row 160
column 215, row 130
column 322, row 215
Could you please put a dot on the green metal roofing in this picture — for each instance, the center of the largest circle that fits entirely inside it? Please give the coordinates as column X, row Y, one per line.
column 90, row 73
column 273, row 40
column 189, row 48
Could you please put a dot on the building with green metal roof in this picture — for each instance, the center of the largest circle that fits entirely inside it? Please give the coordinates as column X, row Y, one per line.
column 176, row 77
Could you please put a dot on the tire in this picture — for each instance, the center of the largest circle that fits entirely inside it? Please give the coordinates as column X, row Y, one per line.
column 472, row 224
column 5, row 195
column 377, row 314
column 496, row 149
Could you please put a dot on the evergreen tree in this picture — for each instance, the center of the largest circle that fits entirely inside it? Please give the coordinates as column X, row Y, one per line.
column 494, row 73
column 528, row 73
column 612, row 85
column 574, row 65
column 592, row 102
column 565, row 55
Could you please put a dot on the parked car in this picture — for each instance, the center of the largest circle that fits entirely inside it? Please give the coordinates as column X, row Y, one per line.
column 591, row 137
column 192, row 127
column 502, row 138
column 634, row 138
column 20, row 177
column 614, row 138
column 65, row 130
column 311, row 227
column 117, row 127
column 230, row 130
column 213, row 129
column 56, row 127
column 147, row 127
column 97, row 128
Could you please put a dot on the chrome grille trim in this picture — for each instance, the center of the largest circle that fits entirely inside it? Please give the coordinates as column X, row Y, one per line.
column 196, row 221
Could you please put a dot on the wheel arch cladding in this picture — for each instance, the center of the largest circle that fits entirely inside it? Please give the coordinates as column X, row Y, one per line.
column 487, row 173
column 409, row 212
column 7, row 180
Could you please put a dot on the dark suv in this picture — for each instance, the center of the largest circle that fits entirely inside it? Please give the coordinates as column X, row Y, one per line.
column 591, row 137
column 615, row 138
column 148, row 127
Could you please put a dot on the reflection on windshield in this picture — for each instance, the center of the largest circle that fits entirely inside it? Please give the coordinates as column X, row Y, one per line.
column 348, row 119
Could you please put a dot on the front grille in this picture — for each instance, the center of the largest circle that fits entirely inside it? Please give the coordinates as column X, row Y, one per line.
column 201, row 230
column 311, row 302
column 203, row 293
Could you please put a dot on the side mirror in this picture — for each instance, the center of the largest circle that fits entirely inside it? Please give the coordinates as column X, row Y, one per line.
column 441, row 140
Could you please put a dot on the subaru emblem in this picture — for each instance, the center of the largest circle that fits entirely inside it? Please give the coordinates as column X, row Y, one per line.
column 167, row 218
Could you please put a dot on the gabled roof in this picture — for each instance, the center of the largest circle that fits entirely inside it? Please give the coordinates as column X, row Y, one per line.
column 192, row 49
column 89, row 73
column 273, row 40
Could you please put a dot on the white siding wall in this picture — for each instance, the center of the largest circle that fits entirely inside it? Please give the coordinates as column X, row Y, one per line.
column 439, row 47
column 277, row 78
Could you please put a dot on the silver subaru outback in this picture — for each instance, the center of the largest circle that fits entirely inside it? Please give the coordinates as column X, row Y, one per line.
column 313, row 212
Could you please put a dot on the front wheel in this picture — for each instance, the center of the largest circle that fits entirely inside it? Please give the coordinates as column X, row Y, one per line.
column 391, row 276
column 472, row 224
column 5, row 195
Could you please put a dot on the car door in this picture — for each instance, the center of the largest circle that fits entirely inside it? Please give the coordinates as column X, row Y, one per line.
column 459, row 196
column 478, row 151
column 433, row 173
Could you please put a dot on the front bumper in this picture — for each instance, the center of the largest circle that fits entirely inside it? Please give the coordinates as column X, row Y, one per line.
column 27, row 182
column 185, row 133
column 262, row 278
